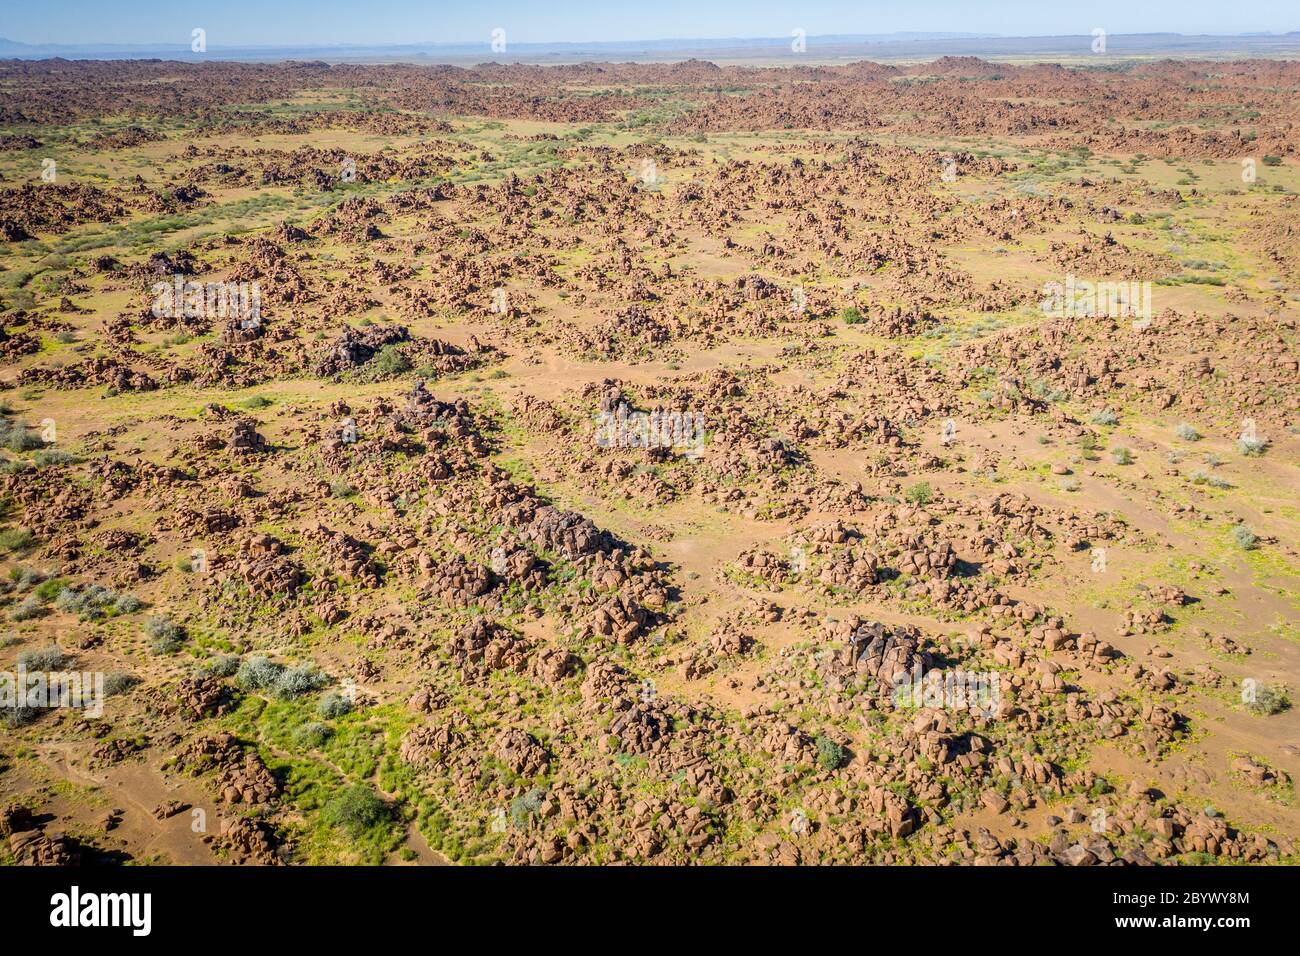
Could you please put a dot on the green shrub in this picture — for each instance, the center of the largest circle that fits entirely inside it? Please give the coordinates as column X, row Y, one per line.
column 333, row 705
column 312, row 734
column 25, row 577
column 391, row 361
column 222, row 665
column 49, row 457
column 1246, row 539
column 1202, row 477
column 15, row 436
column 49, row 589
column 1121, row 455
column 14, row 540
column 920, row 494
column 355, row 810
column 830, row 754
column 1104, row 417
column 851, row 316
column 1268, row 701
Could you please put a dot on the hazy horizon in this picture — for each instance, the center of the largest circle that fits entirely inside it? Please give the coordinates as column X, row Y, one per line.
column 296, row 23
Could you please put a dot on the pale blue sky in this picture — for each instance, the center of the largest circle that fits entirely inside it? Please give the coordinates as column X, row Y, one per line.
column 313, row 22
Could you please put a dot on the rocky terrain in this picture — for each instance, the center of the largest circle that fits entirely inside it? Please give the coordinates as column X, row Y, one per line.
column 656, row 464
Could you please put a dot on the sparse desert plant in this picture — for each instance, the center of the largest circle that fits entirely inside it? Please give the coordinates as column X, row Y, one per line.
column 20, row 716
column 920, row 494
column 1252, row 447
column 45, row 659
column 830, row 754
column 1070, row 484
column 127, row 604
column 13, row 540
column 68, row 599
column 1246, row 539
column 48, row 589
column 25, row 577
column 312, row 734
column 258, row 673
column 1202, row 477
column 333, row 705
column 119, row 682
column 391, row 361
column 94, row 602
column 165, row 635
column 16, row 436
column 295, row 681
column 221, row 665
column 50, row 457
column 1267, row 700
column 355, row 809
column 28, row 608
column 1104, row 417
column 1121, row 455
column 1187, row 432
column 525, row 806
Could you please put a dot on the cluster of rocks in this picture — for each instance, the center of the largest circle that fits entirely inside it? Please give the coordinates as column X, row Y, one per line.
column 239, row 775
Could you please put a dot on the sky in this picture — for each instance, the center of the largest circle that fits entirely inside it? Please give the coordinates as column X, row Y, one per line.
column 325, row 22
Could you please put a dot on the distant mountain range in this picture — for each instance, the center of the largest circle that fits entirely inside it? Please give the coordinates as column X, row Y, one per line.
column 909, row 45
